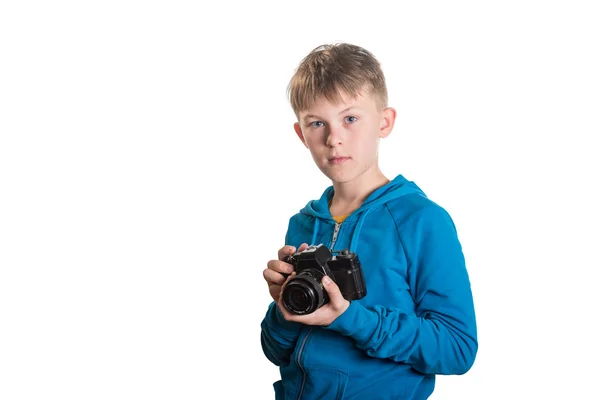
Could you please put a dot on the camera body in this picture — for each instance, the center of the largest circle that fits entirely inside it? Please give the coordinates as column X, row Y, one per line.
column 304, row 293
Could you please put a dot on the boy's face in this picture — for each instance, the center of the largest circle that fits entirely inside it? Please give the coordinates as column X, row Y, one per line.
column 344, row 138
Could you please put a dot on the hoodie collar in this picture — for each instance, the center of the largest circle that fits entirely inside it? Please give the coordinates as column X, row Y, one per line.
column 319, row 209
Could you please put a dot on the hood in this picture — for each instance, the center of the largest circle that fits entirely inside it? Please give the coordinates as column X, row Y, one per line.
column 319, row 209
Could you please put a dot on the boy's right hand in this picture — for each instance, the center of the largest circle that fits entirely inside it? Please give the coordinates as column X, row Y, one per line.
column 275, row 268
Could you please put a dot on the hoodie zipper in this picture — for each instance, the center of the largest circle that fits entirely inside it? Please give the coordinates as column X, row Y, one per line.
column 336, row 230
column 335, row 235
column 300, row 365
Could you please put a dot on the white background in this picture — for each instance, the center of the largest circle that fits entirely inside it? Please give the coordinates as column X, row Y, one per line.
column 148, row 168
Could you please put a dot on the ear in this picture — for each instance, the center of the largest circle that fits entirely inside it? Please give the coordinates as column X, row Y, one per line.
column 388, row 117
column 299, row 133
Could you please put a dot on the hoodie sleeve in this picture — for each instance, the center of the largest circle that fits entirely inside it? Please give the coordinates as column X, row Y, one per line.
column 441, row 337
column 278, row 337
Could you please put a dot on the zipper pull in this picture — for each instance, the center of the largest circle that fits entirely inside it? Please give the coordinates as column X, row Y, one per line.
column 336, row 229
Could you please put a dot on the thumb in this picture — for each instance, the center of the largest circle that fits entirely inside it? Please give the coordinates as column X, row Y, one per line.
column 336, row 299
column 332, row 290
column 303, row 247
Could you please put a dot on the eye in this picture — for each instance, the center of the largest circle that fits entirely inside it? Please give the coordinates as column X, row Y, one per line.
column 350, row 119
column 316, row 124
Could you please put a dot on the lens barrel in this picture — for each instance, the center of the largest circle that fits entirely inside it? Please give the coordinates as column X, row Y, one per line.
column 304, row 293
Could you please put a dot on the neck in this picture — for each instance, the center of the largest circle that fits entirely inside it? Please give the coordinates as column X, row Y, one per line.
column 348, row 196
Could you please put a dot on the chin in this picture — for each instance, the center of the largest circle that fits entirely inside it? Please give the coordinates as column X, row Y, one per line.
column 340, row 176
column 344, row 175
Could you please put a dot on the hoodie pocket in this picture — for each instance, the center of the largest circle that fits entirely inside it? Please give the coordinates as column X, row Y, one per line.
column 324, row 383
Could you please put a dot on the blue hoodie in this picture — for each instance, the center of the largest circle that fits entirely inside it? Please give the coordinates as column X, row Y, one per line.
column 417, row 319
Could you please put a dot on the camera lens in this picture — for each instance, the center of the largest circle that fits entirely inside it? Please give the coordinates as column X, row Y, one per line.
column 299, row 299
column 303, row 294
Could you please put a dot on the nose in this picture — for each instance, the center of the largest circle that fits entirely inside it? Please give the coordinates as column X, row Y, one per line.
column 334, row 136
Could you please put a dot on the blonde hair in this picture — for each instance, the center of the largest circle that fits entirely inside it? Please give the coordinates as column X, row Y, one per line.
column 333, row 68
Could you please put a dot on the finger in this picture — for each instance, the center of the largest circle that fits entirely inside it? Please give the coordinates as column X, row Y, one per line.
column 337, row 302
column 333, row 290
column 284, row 312
column 287, row 280
column 285, row 251
column 280, row 266
column 283, row 288
column 275, row 291
column 303, row 247
column 273, row 277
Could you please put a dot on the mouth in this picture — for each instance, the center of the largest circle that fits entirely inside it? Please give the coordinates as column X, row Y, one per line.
column 338, row 160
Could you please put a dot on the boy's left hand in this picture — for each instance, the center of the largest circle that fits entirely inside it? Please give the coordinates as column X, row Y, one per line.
column 326, row 314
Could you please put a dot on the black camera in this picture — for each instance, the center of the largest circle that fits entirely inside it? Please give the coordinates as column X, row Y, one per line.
column 304, row 293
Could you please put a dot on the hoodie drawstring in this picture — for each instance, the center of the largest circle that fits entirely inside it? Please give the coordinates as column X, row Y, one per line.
column 356, row 233
column 315, row 230
column 318, row 209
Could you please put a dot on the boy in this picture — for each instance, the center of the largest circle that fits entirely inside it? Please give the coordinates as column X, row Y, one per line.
column 417, row 319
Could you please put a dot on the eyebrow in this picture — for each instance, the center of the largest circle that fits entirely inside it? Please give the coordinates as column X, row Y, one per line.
column 307, row 116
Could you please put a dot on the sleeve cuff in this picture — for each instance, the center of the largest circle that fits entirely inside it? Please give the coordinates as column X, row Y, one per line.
column 288, row 326
column 356, row 322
